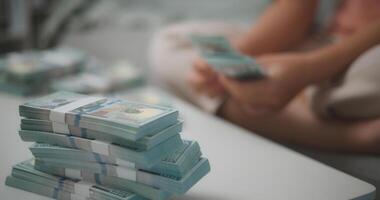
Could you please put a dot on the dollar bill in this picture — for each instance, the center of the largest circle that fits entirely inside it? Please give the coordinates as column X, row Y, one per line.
column 141, row 158
column 114, row 182
column 25, row 177
column 176, row 165
column 220, row 55
column 235, row 66
column 31, row 127
column 169, row 184
column 31, row 72
column 211, row 44
column 110, row 78
column 130, row 120
column 39, row 66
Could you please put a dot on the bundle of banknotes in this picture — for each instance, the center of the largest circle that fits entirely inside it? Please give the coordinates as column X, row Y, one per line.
column 223, row 58
column 65, row 69
column 89, row 147
column 30, row 72
column 102, row 79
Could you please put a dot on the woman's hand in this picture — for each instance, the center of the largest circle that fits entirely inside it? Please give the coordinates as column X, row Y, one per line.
column 285, row 79
column 204, row 80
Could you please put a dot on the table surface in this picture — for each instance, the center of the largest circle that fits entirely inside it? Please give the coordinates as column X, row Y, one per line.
column 244, row 165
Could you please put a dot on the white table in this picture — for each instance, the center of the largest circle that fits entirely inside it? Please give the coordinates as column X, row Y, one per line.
column 244, row 166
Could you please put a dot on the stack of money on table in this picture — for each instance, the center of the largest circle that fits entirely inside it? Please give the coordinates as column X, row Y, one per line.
column 89, row 147
column 102, row 79
column 30, row 72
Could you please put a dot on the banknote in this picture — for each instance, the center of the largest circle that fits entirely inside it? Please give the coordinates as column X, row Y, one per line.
column 169, row 184
column 86, row 148
column 31, row 127
column 114, row 182
column 119, row 75
column 131, row 120
column 235, row 66
column 37, row 66
column 31, row 72
column 50, row 176
column 176, row 165
column 211, row 44
column 25, row 177
column 220, row 55
column 96, row 147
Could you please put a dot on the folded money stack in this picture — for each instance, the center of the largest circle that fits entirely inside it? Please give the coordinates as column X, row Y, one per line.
column 30, row 72
column 103, row 79
column 105, row 148
column 223, row 58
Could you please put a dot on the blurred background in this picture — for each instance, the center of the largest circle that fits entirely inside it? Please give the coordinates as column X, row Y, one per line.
column 94, row 32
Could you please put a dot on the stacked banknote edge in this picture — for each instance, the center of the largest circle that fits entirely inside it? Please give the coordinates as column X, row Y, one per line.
column 89, row 147
column 27, row 73
column 37, row 72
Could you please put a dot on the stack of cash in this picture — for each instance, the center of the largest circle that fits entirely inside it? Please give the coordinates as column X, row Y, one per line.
column 223, row 58
column 103, row 79
column 30, row 72
column 26, row 177
column 89, row 147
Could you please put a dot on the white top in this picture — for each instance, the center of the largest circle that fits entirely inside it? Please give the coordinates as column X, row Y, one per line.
column 244, row 166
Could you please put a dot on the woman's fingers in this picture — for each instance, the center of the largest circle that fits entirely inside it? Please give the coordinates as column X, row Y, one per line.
column 197, row 81
column 204, row 85
column 248, row 92
column 257, row 93
column 202, row 67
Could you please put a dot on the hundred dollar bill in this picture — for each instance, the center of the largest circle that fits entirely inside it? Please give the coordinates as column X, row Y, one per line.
column 175, row 165
column 211, row 44
column 97, row 148
column 38, row 66
column 31, row 127
column 28, row 167
column 114, row 182
column 25, row 177
column 130, row 120
column 235, row 66
column 220, row 55
column 105, row 79
column 169, row 184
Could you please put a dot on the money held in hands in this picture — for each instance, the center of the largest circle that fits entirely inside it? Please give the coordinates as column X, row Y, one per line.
column 223, row 58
